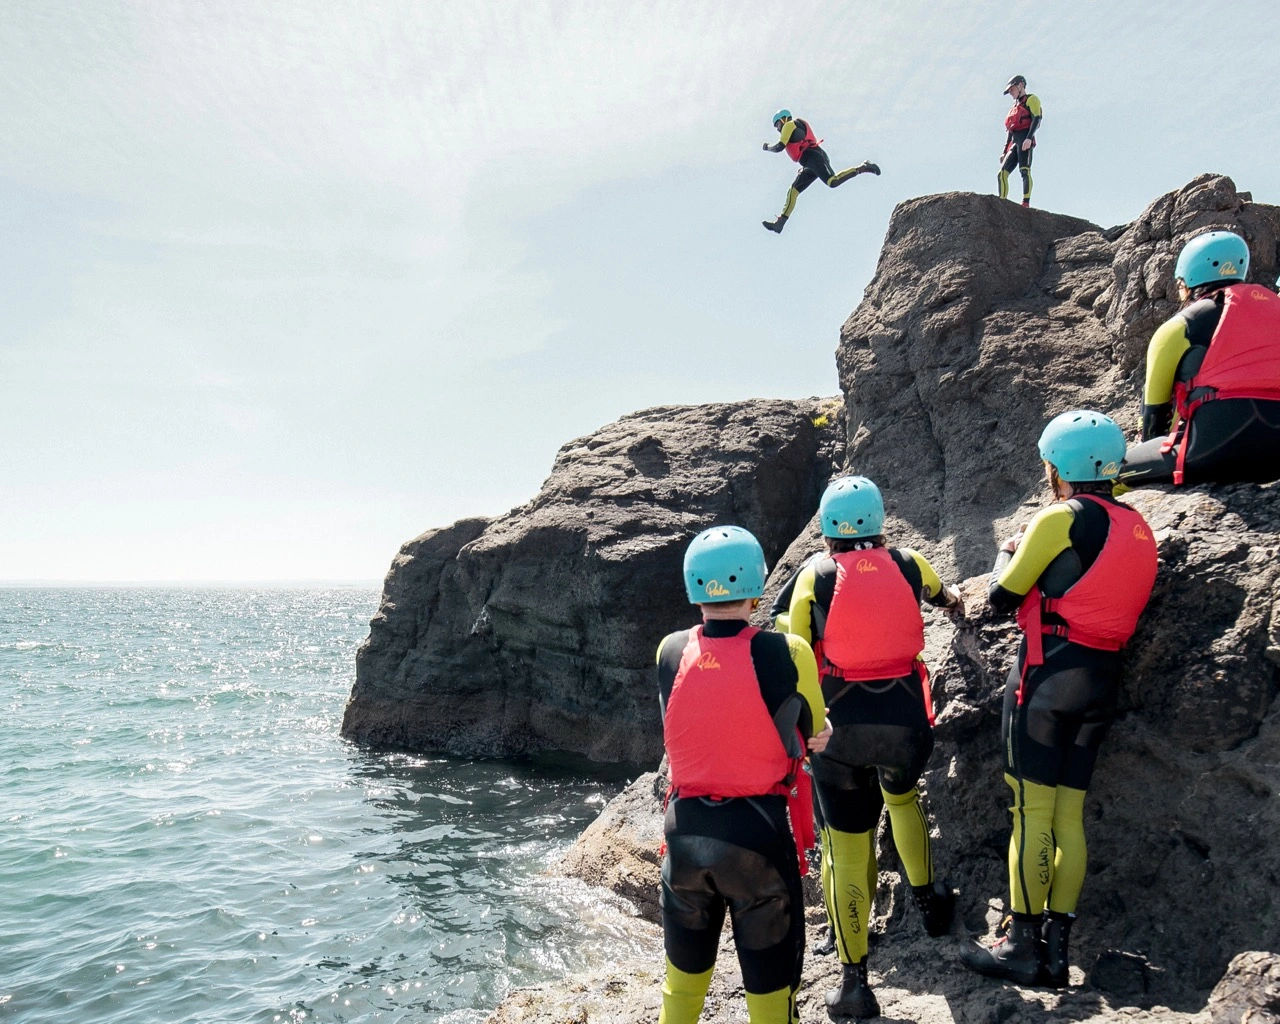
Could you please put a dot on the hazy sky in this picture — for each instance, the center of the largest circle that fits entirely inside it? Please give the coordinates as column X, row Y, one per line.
column 286, row 284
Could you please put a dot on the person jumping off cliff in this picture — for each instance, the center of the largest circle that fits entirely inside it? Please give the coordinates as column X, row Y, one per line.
column 1216, row 365
column 797, row 138
column 741, row 708
column 1020, row 125
column 1079, row 577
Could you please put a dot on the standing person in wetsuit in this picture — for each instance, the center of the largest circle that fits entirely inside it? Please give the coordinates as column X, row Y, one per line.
column 1079, row 577
column 860, row 607
column 1216, row 363
column 797, row 138
column 1020, row 124
column 738, row 707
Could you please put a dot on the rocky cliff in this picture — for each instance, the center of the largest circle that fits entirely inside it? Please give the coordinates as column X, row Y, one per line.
column 538, row 629
column 983, row 320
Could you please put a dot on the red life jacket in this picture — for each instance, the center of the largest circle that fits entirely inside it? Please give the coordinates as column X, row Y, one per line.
column 873, row 629
column 1019, row 117
column 1243, row 360
column 1101, row 608
column 795, row 148
column 721, row 740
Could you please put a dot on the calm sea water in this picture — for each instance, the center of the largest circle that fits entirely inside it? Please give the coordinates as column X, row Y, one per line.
column 184, row 836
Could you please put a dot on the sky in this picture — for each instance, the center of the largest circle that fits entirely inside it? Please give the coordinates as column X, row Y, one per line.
column 285, row 285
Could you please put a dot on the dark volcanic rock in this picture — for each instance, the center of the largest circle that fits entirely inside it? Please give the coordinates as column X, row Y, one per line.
column 538, row 629
column 1249, row 993
column 984, row 320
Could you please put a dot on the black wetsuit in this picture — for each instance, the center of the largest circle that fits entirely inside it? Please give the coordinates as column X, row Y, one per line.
column 1231, row 440
column 736, row 854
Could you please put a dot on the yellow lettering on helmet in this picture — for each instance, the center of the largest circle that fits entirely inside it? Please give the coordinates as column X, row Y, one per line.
column 707, row 660
column 715, row 590
column 1228, row 269
column 1110, row 469
column 846, row 529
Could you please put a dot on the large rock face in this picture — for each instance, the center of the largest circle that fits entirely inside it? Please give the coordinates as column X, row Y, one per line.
column 984, row 320
column 538, row 629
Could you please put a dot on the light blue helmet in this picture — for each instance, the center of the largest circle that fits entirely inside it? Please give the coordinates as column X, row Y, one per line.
column 724, row 563
column 1083, row 445
column 1212, row 257
column 781, row 115
column 851, row 507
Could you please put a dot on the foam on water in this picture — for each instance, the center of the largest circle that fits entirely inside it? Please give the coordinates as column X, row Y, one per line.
column 184, row 836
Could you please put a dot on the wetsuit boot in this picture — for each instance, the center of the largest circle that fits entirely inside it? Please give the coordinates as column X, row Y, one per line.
column 1015, row 957
column 867, row 167
column 776, row 226
column 827, row 944
column 854, row 997
column 937, row 903
column 1055, row 933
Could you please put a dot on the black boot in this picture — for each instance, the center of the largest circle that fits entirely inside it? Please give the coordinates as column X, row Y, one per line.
column 867, row 167
column 1015, row 957
column 1055, row 934
column 937, row 903
column 776, row 226
column 854, row 997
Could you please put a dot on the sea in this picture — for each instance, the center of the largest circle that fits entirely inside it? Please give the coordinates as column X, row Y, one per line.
column 184, row 836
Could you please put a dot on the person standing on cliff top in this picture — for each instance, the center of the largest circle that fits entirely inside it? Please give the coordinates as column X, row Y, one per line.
column 859, row 605
column 797, row 138
column 1216, row 364
column 739, row 706
column 1079, row 576
column 1020, row 125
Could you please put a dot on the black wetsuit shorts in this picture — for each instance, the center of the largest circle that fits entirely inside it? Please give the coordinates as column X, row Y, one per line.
column 1068, row 705
column 739, row 855
column 815, row 165
column 881, row 738
column 1017, row 156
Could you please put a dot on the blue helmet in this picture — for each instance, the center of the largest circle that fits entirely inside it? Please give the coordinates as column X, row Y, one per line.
column 1212, row 257
column 1083, row 445
column 781, row 115
column 724, row 563
column 851, row 507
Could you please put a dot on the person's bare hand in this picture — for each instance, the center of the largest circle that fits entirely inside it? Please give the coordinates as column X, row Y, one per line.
column 1011, row 543
column 1026, row 145
column 818, row 743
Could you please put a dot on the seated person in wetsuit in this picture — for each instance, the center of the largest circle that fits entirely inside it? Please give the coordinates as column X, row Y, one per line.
column 1216, row 364
column 1079, row 578
column 859, row 604
column 738, row 707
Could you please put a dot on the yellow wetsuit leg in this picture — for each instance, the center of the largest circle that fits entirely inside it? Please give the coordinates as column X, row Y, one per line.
column 772, row 1007
column 911, row 835
column 1072, row 854
column 1031, row 847
column 1002, row 180
column 1026, row 182
column 790, row 204
column 847, row 859
column 683, row 995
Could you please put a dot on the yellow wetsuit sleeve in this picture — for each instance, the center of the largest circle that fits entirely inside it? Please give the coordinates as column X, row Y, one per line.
column 1168, row 345
column 807, row 679
column 1033, row 105
column 788, row 130
column 800, row 616
column 1046, row 538
column 929, row 579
